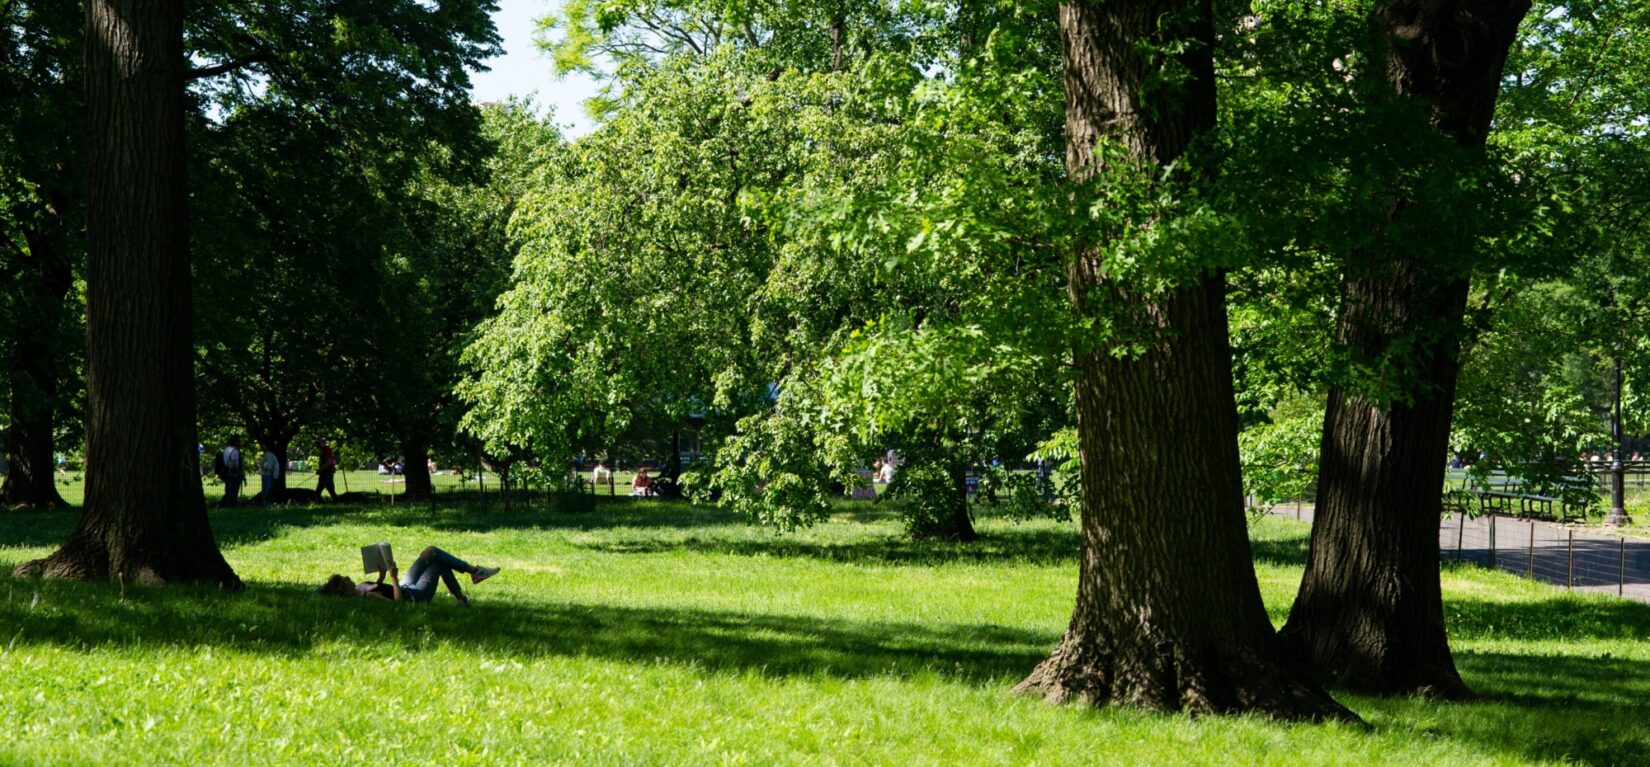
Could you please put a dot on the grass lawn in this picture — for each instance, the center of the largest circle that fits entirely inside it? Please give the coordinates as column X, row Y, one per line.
column 646, row 633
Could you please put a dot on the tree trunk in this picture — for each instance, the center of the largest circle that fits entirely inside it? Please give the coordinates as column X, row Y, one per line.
column 1369, row 614
column 279, row 443
column 33, row 373
column 30, row 479
column 145, row 518
column 1168, row 613
column 1370, row 611
column 961, row 525
column 416, row 475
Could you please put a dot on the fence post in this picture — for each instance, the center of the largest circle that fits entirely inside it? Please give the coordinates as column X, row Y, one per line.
column 1570, row 560
column 1460, row 534
column 1492, row 540
column 1621, row 575
column 1530, row 559
column 1297, row 509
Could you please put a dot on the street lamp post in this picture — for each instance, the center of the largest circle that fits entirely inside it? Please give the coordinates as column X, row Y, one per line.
column 1618, row 504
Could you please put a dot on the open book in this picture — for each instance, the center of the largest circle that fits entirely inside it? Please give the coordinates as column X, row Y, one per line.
column 377, row 557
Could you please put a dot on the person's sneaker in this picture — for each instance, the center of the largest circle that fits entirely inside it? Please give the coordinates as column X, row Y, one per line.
column 483, row 573
column 463, row 601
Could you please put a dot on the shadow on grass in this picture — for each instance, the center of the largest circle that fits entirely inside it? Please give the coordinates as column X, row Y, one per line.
column 1033, row 547
column 243, row 525
column 1569, row 709
column 1284, row 552
column 292, row 621
column 1558, row 619
column 609, row 513
column 36, row 527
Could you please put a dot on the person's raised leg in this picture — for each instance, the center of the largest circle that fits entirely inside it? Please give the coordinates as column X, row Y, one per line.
column 420, row 577
column 442, row 564
column 451, row 562
column 477, row 574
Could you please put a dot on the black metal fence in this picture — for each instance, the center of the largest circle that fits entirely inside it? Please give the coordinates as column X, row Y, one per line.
column 1549, row 553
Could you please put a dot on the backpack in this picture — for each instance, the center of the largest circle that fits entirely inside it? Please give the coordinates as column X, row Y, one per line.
column 219, row 469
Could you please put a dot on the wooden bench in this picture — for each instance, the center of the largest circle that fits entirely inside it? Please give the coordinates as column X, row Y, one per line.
column 1499, row 492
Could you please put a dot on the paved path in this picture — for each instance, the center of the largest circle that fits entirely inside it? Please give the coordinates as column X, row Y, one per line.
column 1566, row 556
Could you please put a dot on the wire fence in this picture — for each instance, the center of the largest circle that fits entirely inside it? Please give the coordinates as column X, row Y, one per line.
column 1548, row 552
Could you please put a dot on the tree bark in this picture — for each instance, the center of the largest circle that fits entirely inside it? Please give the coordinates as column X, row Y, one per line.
column 1369, row 613
column 1168, row 613
column 962, row 522
column 145, row 518
column 33, row 375
column 416, row 475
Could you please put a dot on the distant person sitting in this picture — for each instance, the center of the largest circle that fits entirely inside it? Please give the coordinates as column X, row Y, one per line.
column 641, row 484
column 419, row 585
column 601, row 475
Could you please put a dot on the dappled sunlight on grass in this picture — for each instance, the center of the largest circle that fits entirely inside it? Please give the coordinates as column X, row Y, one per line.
column 669, row 634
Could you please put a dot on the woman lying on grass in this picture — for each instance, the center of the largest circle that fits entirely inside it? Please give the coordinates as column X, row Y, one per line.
column 419, row 585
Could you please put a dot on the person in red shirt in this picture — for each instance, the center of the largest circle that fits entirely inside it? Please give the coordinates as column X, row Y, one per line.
column 325, row 468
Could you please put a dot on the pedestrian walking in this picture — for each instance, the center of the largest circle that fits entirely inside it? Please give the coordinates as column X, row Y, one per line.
column 326, row 469
column 232, row 474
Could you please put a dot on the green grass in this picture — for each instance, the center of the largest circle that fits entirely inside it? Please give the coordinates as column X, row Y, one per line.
column 647, row 633
column 72, row 484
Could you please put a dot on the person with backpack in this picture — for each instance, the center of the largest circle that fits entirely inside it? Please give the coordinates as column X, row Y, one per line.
column 326, row 468
column 228, row 465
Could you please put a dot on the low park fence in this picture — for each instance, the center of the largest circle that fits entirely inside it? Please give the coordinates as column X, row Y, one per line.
column 1550, row 553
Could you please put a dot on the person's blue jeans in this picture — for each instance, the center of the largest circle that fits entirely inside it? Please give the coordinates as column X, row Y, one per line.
column 269, row 489
column 419, row 583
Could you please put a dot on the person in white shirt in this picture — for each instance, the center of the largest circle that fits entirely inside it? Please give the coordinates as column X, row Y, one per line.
column 269, row 469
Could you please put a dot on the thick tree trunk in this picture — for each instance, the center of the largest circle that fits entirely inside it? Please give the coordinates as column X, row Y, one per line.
column 1369, row 614
column 1168, row 613
column 30, row 479
column 33, row 373
column 416, row 475
column 145, row 518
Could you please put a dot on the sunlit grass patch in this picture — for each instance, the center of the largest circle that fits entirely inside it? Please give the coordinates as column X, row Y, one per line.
column 653, row 633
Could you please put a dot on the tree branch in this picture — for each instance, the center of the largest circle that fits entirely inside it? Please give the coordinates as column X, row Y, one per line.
column 228, row 66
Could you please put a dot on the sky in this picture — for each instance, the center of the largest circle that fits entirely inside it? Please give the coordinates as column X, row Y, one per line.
column 524, row 71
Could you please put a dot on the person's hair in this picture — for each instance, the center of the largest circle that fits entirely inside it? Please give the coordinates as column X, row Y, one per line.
column 338, row 586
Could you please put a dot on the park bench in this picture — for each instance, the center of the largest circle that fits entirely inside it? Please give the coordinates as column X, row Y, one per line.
column 1499, row 493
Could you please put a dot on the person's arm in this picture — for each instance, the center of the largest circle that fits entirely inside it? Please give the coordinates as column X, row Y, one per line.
column 395, row 581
